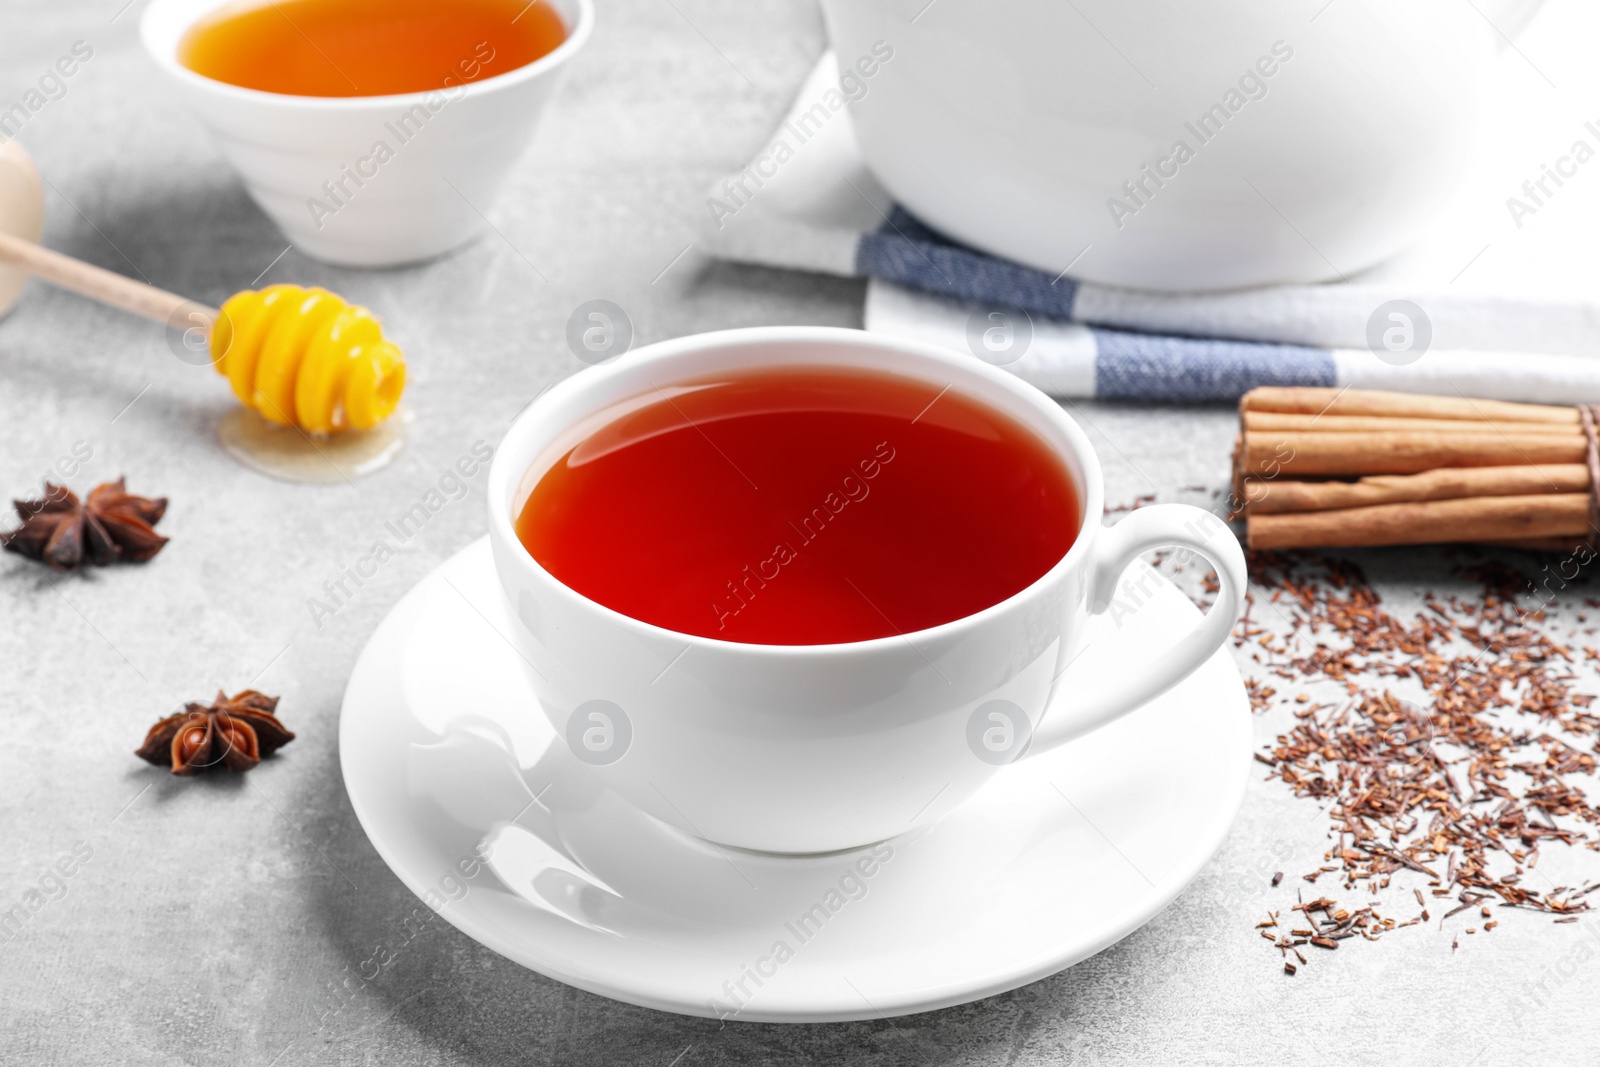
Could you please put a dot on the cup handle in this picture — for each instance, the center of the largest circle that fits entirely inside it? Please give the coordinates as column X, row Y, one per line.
column 1149, row 528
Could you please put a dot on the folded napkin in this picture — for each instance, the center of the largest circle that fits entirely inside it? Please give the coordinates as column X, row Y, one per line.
column 808, row 202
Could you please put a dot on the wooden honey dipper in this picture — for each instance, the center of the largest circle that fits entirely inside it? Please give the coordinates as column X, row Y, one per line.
column 299, row 356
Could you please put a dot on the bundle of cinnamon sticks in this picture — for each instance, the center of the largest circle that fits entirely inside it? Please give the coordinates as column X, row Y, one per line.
column 1336, row 468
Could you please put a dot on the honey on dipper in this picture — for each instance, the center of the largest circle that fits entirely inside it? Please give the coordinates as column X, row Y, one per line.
column 307, row 358
column 319, row 382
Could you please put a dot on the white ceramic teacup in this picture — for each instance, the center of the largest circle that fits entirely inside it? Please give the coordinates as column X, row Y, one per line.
column 811, row 748
column 315, row 165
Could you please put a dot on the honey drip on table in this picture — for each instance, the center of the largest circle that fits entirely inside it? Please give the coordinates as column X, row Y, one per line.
column 290, row 454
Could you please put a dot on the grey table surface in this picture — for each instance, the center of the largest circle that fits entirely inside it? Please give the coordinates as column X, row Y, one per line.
column 214, row 913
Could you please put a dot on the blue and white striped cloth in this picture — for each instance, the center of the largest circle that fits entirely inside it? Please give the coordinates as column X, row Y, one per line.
column 1074, row 360
column 807, row 202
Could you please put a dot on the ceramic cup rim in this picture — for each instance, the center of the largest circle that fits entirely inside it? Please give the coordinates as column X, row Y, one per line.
column 162, row 44
column 515, row 456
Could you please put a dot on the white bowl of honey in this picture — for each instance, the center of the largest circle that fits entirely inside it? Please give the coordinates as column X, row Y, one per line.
column 375, row 133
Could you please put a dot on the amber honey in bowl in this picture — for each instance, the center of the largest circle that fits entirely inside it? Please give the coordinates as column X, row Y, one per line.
column 368, row 47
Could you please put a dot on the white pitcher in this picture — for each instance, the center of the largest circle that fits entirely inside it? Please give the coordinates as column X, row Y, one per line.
column 1174, row 144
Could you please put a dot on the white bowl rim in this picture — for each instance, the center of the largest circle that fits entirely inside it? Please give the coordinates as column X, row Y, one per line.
column 163, row 48
column 504, row 473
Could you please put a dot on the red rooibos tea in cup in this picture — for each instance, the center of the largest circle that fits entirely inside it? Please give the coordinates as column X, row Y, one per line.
column 799, row 506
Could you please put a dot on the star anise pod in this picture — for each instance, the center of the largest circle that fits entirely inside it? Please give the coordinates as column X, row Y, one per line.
column 112, row 524
column 236, row 732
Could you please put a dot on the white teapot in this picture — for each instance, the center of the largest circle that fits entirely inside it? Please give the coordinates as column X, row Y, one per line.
column 1173, row 144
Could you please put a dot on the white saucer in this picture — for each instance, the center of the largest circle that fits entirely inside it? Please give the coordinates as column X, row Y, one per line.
column 444, row 754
